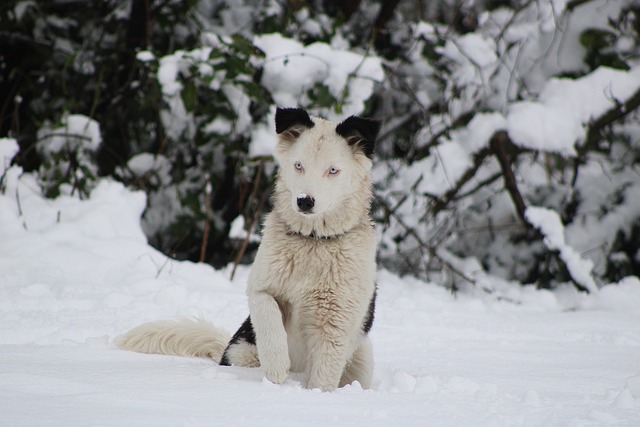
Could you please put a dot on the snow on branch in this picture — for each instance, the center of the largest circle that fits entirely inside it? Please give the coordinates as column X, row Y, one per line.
column 558, row 120
column 549, row 224
column 505, row 150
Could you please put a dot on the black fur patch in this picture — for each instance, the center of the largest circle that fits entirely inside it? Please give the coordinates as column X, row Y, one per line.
column 360, row 132
column 286, row 118
column 244, row 334
column 368, row 319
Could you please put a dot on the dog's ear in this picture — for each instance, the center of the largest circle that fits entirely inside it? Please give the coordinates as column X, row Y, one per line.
column 360, row 133
column 291, row 122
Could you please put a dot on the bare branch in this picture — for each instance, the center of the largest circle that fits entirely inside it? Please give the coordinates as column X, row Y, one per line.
column 501, row 145
column 256, row 216
column 430, row 249
column 596, row 127
column 572, row 4
column 444, row 200
column 460, row 121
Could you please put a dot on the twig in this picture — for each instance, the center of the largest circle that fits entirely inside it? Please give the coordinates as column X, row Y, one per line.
column 65, row 135
column 443, row 201
column 430, row 249
column 513, row 18
column 172, row 253
column 596, row 127
column 96, row 95
column 481, row 184
column 24, row 222
column 208, row 215
column 460, row 121
column 245, row 243
column 594, row 132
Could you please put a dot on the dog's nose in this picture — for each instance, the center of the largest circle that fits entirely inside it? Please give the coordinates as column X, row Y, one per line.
column 305, row 203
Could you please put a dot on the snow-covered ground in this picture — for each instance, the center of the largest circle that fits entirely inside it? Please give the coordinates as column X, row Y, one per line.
column 75, row 274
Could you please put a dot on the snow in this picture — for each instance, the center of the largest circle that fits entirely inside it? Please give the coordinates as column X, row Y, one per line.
column 76, row 273
column 263, row 140
column 76, row 131
column 168, row 74
column 145, row 56
column 238, row 231
column 476, row 135
column 8, row 148
column 218, row 126
column 558, row 120
column 474, row 54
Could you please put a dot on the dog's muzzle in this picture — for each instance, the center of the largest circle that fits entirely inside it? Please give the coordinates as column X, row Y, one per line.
column 305, row 203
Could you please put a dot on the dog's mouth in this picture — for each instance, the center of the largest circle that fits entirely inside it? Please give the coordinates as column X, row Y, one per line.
column 307, row 213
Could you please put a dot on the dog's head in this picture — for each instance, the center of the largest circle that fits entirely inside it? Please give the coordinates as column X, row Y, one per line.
column 323, row 164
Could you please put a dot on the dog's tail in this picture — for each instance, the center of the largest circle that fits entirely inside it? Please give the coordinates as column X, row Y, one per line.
column 185, row 337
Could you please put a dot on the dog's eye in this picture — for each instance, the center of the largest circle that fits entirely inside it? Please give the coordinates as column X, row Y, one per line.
column 298, row 166
column 333, row 171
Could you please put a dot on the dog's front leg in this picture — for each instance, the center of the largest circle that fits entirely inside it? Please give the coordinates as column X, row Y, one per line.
column 271, row 337
column 328, row 359
column 329, row 335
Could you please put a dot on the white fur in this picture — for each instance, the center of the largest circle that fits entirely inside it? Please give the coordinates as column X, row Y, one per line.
column 189, row 338
column 313, row 277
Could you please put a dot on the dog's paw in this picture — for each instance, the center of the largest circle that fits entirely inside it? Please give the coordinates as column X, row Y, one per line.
column 276, row 376
column 322, row 385
column 276, row 367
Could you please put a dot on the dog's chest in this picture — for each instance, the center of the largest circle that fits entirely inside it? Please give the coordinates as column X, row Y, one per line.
column 311, row 260
column 293, row 268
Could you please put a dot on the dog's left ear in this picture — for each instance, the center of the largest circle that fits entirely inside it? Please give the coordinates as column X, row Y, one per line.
column 360, row 133
column 291, row 122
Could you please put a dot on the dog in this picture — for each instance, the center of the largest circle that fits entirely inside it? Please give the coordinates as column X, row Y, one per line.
column 311, row 290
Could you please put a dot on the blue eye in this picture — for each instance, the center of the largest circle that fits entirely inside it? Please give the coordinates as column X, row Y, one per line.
column 333, row 171
column 298, row 166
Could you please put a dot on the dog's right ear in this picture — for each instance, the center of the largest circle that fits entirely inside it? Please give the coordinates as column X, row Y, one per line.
column 291, row 122
column 360, row 133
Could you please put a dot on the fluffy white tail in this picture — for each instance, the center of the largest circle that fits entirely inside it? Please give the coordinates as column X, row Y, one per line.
column 189, row 338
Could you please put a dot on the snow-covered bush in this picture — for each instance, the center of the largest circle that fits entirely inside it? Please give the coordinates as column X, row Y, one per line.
column 211, row 100
column 532, row 109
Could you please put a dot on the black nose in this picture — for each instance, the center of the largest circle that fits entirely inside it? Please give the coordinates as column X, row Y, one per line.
column 305, row 204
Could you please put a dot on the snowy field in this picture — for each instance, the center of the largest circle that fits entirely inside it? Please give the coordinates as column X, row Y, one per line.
column 75, row 274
